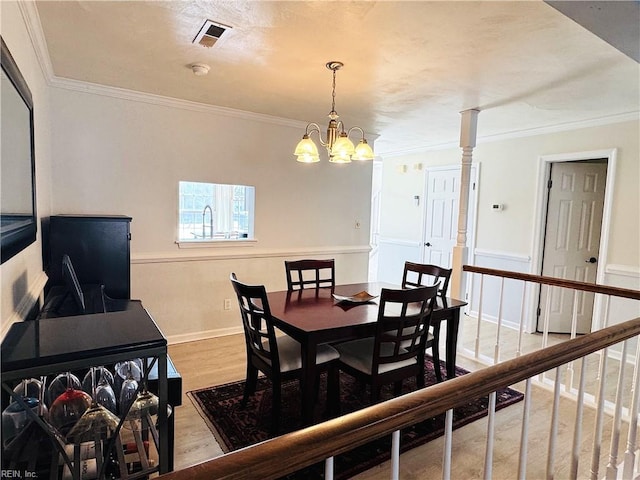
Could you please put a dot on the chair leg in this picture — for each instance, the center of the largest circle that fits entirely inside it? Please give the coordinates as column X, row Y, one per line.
column 436, row 361
column 397, row 388
column 435, row 348
column 375, row 393
column 333, row 391
column 276, row 406
column 420, row 374
column 250, row 384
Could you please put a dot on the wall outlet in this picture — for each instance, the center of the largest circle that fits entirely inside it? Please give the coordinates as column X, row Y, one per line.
column 227, row 304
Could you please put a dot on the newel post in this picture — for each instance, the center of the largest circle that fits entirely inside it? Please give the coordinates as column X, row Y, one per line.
column 468, row 130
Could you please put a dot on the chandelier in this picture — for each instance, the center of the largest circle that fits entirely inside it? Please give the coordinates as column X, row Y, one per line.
column 338, row 144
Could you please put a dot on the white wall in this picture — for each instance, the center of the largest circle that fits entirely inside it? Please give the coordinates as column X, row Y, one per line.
column 21, row 277
column 121, row 156
column 509, row 175
column 103, row 151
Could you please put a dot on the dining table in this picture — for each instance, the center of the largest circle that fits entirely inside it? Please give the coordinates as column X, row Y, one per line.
column 313, row 316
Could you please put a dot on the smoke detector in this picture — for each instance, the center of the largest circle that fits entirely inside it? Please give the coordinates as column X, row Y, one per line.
column 200, row 69
column 209, row 33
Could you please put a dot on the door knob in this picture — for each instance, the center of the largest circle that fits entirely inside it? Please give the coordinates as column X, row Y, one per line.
column 427, row 244
column 592, row 260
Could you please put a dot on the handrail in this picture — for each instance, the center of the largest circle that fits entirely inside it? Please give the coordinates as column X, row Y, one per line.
column 558, row 282
column 288, row 453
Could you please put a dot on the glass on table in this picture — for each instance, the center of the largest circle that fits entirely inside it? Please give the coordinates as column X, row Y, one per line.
column 28, row 441
column 60, row 384
column 30, row 387
column 144, row 410
column 15, row 417
column 98, row 382
column 123, row 370
column 96, row 374
column 69, row 406
column 129, row 388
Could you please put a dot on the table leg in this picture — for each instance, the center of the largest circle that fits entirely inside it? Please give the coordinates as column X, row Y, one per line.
column 163, row 393
column 452, row 342
column 308, row 382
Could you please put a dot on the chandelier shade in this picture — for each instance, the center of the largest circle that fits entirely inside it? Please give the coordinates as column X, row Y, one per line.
column 338, row 144
column 306, row 151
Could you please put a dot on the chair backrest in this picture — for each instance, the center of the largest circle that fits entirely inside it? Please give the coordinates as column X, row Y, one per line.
column 320, row 273
column 403, row 325
column 259, row 333
column 419, row 274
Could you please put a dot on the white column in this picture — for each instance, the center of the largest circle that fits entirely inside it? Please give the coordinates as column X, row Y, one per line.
column 468, row 129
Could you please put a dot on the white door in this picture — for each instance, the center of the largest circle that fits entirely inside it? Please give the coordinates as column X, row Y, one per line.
column 441, row 214
column 572, row 240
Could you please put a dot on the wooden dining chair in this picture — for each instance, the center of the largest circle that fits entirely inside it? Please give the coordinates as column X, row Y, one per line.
column 397, row 350
column 277, row 356
column 419, row 274
column 319, row 273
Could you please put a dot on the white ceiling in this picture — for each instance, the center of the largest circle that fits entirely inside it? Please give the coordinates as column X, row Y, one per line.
column 410, row 67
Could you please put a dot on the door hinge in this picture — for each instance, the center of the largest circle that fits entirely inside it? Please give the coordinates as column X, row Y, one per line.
column 538, row 312
column 473, row 187
column 549, row 183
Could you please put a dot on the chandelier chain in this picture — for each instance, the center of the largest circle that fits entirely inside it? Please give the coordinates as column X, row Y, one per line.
column 333, row 93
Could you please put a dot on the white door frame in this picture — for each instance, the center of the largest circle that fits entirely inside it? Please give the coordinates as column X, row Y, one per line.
column 542, row 198
column 473, row 209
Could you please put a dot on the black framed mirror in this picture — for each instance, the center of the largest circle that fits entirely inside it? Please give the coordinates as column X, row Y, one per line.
column 17, row 161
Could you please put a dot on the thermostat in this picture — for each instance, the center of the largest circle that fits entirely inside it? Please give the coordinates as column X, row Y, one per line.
column 497, row 207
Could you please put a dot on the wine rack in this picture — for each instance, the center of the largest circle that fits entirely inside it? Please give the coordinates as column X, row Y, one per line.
column 47, row 347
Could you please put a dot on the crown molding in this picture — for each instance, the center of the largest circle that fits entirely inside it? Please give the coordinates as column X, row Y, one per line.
column 150, row 98
column 528, row 132
column 34, row 29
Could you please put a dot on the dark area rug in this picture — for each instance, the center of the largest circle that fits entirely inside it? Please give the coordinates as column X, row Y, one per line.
column 235, row 427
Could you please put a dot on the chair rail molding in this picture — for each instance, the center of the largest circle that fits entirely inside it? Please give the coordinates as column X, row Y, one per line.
column 227, row 254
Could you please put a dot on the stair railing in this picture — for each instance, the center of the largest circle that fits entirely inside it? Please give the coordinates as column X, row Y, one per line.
column 322, row 442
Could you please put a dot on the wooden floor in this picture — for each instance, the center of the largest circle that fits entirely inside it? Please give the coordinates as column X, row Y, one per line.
column 221, row 360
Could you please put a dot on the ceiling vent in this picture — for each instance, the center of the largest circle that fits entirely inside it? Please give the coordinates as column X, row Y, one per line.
column 209, row 33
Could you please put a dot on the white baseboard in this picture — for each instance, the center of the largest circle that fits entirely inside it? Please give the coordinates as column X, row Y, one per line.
column 193, row 337
column 27, row 302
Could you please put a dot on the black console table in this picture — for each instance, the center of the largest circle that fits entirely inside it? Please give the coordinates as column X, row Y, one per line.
column 49, row 346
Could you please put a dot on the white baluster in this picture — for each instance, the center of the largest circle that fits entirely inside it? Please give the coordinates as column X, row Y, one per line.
column 612, row 467
column 477, row 346
column 547, row 314
column 545, row 328
column 496, row 352
column 553, row 435
column 630, row 453
column 597, row 435
column 446, row 455
column 395, row 455
column 577, row 427
column 488, row 457
column 524, row 435
column 574, row 328
column 522, row 316
column 328, row 468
